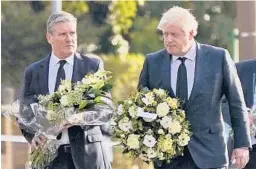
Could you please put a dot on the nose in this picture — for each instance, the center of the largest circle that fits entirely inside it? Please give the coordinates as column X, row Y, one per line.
column 69, row 37
column 169, row 38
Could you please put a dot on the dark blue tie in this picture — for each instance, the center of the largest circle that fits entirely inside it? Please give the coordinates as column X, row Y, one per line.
column 60, row 74
column 182, row 82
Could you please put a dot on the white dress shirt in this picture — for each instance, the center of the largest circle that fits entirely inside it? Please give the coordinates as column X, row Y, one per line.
column 190, row 63
column 53, row 70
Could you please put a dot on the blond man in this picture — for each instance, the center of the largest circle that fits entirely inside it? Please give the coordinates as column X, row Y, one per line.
column 199, row 75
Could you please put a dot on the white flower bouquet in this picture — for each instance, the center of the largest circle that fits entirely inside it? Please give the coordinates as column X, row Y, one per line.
column 151, row 126
column 83, row 103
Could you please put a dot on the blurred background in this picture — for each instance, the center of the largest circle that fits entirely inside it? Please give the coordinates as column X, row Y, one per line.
column 121, row 33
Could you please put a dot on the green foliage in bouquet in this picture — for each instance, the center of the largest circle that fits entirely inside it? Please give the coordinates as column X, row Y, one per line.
column 42, row 155
column 80, row 95
column 152, row 126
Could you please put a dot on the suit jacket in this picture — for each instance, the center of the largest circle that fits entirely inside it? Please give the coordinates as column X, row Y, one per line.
column 215, row 76
column 245, row 71
column 86, row 147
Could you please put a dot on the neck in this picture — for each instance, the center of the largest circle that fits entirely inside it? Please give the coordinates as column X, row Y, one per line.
column 62, row 56
column 189, row 46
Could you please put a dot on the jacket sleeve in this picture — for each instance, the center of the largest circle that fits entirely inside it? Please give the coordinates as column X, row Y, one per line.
column 238, row 111
column 27, row 98
column 144, row 77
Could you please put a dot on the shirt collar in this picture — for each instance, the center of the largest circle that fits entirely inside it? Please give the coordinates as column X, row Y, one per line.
column 190, row 55
column 55, row 60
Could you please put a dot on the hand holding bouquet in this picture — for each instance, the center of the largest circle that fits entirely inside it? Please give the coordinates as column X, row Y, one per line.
column 83, row 103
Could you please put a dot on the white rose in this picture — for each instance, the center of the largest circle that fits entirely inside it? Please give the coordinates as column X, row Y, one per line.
column 183, row 139
column 162, row 109
column 175, row 127
column 133, row 111
column 166, row 122
column 149, row 141
column 151, row 153
column 125, row 124
column 64, row 100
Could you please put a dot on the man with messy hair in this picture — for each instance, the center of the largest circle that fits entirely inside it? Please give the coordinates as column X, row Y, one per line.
column 199, row 75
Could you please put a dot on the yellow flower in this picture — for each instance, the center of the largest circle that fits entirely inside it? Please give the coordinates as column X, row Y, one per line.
column 175, row 127
column 162, row 109
column 165, row 144
column 133, row 141
column 172, row 102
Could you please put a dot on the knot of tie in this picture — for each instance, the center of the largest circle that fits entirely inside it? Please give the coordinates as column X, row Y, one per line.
column 62, row 63
column 182, row 59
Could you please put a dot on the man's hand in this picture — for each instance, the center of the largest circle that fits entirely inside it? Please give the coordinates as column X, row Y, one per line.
column 240, row 156
column 37, row 141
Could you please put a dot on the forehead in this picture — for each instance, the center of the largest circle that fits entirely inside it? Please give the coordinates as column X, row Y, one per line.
column 64, row 27
column 173, row 28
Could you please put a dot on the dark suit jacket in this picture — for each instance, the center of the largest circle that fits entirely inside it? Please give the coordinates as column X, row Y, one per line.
column 246, row 70
column 215, row 76
column 36, row 82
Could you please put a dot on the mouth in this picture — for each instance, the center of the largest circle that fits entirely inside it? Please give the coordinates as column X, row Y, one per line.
column 70, row 46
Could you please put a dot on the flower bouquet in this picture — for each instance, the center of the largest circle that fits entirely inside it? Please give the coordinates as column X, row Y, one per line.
column 83, row 103
column 151, row 126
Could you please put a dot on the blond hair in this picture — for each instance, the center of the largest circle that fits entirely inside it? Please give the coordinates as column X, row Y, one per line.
column 181, row 17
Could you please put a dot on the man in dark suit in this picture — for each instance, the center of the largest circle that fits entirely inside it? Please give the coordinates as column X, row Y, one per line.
column 199, row 75
column 247, row 74
column 82, row 146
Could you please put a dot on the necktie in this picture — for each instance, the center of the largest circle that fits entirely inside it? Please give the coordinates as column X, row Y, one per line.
column 60, row 74
column 182, row 84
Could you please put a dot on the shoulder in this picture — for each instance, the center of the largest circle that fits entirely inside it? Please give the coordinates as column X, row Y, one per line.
column 34, row 66
column 213, row 49
column 215, row 53
column 246, row 64
column 88, row 59
column 156, row 55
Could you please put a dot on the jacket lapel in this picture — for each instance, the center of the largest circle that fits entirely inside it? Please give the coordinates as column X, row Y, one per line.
column 166, row 72
column 78, row 68
column 43, row 75
column 249, row 88
column 200, row 68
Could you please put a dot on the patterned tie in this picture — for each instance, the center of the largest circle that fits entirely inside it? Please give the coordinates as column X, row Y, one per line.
column 182, row 84
column 60, row 74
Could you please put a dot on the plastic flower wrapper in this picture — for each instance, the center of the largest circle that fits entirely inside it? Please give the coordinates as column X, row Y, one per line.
column 151, row 126
column 34, row 119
